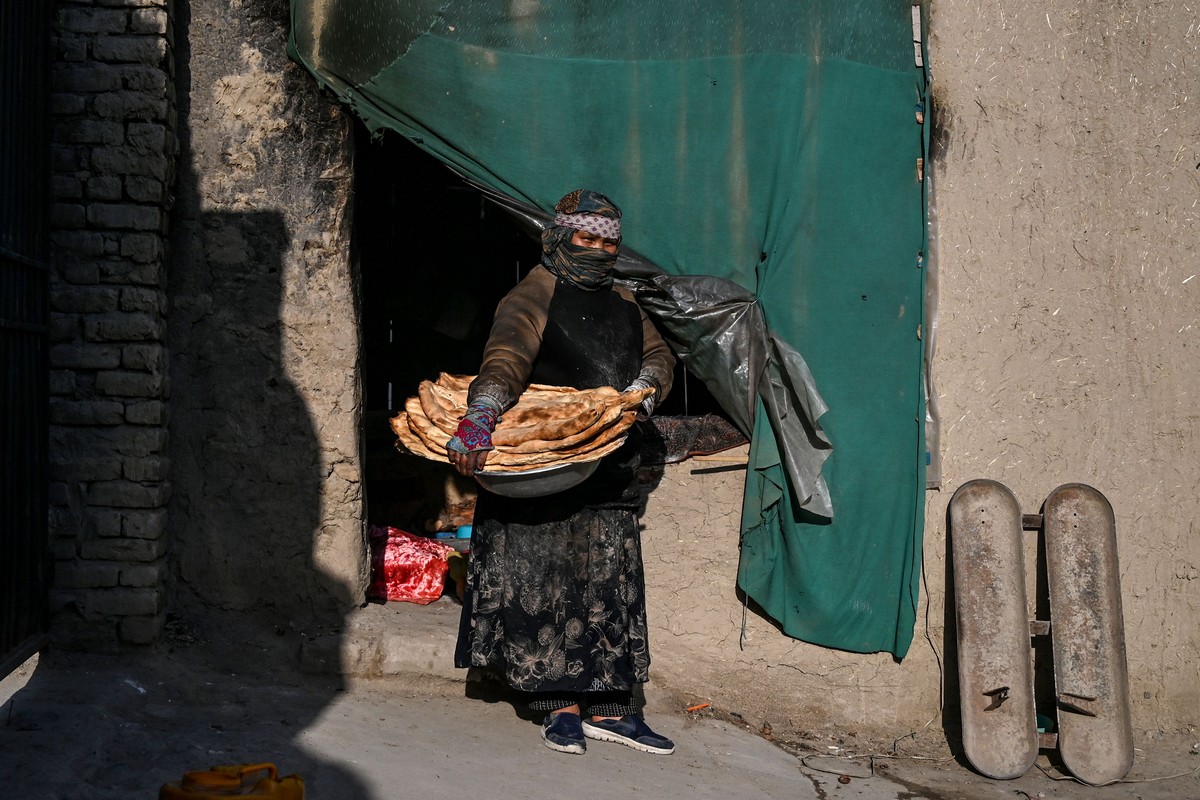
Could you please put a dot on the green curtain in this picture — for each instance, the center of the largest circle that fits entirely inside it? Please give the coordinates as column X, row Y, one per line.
column 769, row 144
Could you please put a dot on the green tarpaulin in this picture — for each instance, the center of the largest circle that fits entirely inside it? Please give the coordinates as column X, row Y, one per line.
column 770, row 146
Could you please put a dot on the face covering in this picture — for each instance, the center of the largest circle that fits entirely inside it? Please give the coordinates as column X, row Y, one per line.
column 586, row 267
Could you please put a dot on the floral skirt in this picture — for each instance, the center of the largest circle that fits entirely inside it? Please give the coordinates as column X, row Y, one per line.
column 556, row 593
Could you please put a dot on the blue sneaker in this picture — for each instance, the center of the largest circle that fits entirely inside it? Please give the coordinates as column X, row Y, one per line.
column 562, row 732
column 631, row 731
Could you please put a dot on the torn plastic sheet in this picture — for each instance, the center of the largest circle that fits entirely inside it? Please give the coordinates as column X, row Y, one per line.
column 717, row 329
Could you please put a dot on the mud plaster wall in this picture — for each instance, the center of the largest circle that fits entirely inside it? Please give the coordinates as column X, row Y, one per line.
column 1067, row 174
column 263, row 326
column 1066, row 183
column 1071, row 308
column 699, row 647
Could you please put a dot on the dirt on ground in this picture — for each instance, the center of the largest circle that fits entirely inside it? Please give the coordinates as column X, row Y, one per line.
column 103, row 727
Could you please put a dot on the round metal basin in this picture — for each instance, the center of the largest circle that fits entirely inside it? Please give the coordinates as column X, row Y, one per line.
column 537, row 482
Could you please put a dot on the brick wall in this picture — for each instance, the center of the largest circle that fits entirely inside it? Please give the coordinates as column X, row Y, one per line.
column 114, row 146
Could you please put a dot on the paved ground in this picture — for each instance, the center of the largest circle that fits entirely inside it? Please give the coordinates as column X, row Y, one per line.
column 102, row 727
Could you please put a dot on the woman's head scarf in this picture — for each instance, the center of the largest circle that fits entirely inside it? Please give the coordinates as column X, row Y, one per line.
column 586, row 267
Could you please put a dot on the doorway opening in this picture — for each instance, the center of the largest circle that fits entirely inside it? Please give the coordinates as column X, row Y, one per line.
column 435, row 257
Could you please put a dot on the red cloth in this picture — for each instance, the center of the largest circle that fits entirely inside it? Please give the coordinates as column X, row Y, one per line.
column 406, row 567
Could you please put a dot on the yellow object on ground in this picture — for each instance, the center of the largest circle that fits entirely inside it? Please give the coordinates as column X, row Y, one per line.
column 237, row 780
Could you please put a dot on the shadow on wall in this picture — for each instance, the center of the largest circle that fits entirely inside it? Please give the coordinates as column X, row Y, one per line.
column 951, row 689
column 247, row 596
column 225, row 685
column 247, row 472
column 246, row 464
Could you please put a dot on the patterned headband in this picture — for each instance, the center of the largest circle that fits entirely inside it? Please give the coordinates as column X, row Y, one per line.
column 607, row 227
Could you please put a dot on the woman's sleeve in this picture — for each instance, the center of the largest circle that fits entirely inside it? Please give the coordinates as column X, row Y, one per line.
column 514, row 341
column 658, row 362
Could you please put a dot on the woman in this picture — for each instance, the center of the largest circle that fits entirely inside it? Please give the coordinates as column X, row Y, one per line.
column 556, row 593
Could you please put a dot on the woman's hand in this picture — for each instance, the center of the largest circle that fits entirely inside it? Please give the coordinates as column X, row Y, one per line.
column 468, row 463
column 639, row 385
column 469, row 447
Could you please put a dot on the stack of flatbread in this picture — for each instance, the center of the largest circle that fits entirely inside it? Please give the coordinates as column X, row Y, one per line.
column 549, row 425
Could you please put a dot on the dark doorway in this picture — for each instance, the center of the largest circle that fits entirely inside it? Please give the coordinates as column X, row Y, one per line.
column 25, row 564
column 435, row 257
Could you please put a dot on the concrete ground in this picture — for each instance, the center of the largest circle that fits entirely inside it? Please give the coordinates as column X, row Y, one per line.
column 102, row 727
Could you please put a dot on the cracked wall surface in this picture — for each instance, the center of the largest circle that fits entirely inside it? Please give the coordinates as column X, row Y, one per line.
column 264, row 330
column 1067, row 183
column 707, row 644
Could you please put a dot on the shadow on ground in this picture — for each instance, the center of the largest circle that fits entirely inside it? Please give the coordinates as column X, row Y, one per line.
column 95, row 727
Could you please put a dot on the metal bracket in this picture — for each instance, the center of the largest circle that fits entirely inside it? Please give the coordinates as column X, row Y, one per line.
column 1079, row 703
column 998, row 697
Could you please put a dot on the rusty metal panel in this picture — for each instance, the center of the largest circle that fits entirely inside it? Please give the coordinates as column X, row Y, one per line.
column 995, row 667
column 1095, row 732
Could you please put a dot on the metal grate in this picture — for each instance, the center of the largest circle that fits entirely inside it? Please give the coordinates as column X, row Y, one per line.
column 24, row 311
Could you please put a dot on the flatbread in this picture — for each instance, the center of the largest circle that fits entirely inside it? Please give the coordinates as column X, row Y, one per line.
column 550, row 421
column 540, row 414
column 547, row 426
column 457, row 382
column 589, row 455
column 463, row 382
column 610, row 416
column 438, row 410
column 410, row 441
column 431, row 436
column 540, row 408
column 444, row 396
